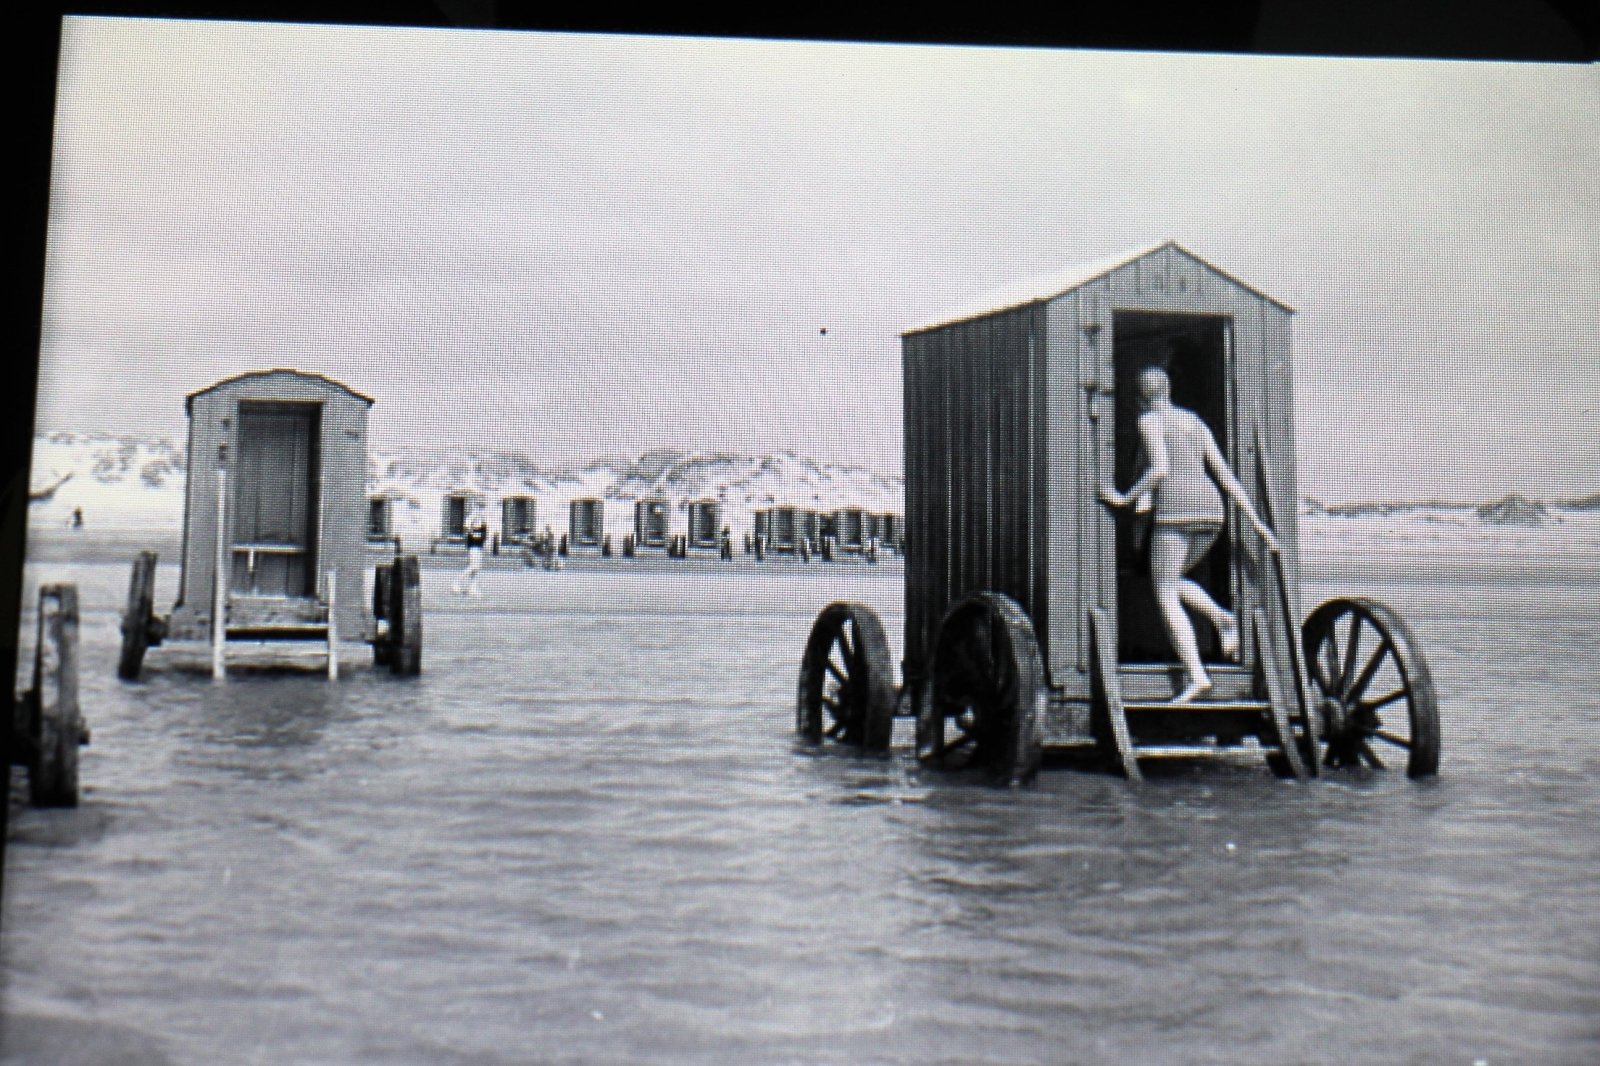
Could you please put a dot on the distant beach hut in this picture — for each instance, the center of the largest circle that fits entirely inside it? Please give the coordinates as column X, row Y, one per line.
column 705, row 525
column 850, row 530
column 380, row 520
column 652, row 520
column 454, row 510
column 586, row 524
column 786, row 530
column 518, row 520
column 891, row 530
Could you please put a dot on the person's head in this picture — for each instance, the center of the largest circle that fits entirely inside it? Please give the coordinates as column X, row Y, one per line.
column 1154, row 386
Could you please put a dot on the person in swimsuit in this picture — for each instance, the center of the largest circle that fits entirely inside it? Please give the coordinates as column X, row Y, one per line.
column 1184, row 472
column 476, row 534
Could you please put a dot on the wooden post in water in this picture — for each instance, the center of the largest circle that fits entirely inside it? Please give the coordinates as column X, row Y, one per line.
column 219, row 592
column 333, row 627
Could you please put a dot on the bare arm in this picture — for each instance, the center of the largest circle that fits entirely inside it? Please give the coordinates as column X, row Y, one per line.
column 1224, row 476
column 1155, row 448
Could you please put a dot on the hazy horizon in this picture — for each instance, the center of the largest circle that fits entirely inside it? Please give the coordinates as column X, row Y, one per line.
column 570, row 246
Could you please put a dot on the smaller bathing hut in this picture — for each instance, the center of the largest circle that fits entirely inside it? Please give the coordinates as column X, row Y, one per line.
column 851, row 531
column 787, row 530
column 652, row 520
column 586, row 520
column 380, row 520
column 276, row 496
column 705, row 525
column 518, row 521
column 454, row 511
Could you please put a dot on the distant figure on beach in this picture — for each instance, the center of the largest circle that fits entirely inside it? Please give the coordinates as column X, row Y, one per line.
column 77, row 518
column 1184, row 470
column 477, row 534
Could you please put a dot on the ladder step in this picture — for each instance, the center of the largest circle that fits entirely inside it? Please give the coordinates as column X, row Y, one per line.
column 1203, row 751
column 1225, row 706
column 1168, row 669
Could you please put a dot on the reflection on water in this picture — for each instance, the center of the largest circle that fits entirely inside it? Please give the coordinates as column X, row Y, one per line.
column 586, row 834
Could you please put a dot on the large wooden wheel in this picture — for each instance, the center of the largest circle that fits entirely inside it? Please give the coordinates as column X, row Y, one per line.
column 138, row 618
column 846, row 688
column 382, row 595
column 55, row 727
column 1374, row 692
column 984, row 702
column 405, row 616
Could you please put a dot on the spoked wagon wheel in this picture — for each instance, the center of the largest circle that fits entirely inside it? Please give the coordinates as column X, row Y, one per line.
column 985, row 698
column 138, row 616
column 1374, row 692
column 56, row 726
column 382, row 615
column 845, row 678
column 405, row 617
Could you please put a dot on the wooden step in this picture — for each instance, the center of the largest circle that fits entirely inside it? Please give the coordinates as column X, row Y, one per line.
column 1213, row 706
column 1203, row 751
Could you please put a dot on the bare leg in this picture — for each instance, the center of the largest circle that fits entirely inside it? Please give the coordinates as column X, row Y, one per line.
column 1200, row 602
column 1169, row 549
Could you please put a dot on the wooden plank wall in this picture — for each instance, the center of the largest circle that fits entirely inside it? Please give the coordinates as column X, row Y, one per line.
column 971, row 485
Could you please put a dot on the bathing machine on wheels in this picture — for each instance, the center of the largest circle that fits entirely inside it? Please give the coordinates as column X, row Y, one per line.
column 1030, row 621
column 275, row 528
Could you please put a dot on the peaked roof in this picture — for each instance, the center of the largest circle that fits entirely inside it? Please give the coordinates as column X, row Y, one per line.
column 188, row 401
column 1060, row 282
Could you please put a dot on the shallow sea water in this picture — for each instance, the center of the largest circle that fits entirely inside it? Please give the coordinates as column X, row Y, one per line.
column 587, row 835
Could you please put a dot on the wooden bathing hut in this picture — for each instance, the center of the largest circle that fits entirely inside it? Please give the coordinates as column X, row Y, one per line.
column 787, row 530
column 586, row 518
column 891, row 529
column 652, row 524
column 455, row 509
column 284, row 454
column 380, row 521
column 705, row 526
column 852, row 529
column 1030, row 619
column 518, row 521
column 275, row 530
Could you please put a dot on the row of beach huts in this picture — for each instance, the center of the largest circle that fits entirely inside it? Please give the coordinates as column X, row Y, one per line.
column 704, row 528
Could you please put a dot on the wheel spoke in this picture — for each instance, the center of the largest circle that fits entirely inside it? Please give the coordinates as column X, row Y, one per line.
column 1351, row 650
column 1368, row 754
column 844, row 643
column 1393, row 738
column 1318, row 673
column 1330, row 652
column 1368, row 672
column 836, row 729
column 1384, row 701
column 833, row 669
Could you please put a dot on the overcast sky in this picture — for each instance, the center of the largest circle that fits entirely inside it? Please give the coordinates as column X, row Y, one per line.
column 577, row 246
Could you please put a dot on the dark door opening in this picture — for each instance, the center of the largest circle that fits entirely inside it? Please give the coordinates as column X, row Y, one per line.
column 1194, row 351
column 276, row 499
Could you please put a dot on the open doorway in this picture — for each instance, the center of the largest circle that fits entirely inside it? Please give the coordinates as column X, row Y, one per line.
column 276, row 499
column 1194, row 350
